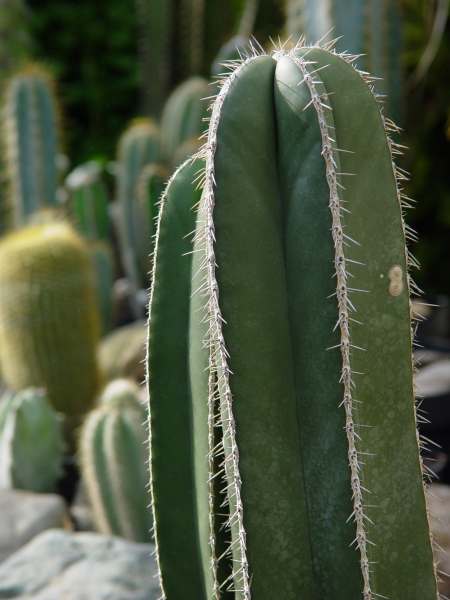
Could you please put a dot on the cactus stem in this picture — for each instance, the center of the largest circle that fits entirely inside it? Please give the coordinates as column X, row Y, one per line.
column 219, row 384
column 345, row 307
column 162, row 204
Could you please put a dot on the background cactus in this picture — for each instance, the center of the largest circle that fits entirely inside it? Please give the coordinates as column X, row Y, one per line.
column 103, row 260
column 31, row 141
column 139, row 146
column 373, row 30
column 31, row 442
column 155, row 21
column 113, row 462
column 150, row 188
column 88, row 201
column 297, row 402
column 184, row 114
column 49, row 322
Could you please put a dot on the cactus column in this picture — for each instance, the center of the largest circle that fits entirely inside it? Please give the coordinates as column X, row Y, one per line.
column 112, row 456
column 49, row 322
column 300, row 375
column 139, row 146
column 30, row 132
column 31, row 442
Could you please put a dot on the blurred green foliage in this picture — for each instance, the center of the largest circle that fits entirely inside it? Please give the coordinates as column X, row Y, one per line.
column 91, row 47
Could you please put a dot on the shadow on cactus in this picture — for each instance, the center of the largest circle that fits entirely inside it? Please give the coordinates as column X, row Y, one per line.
column 280, row 349
column 113, row 462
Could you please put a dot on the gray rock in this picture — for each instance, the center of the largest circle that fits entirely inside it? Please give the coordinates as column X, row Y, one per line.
column 24, row 515
column 81, row 511
column 439, row 508
column 59, row 565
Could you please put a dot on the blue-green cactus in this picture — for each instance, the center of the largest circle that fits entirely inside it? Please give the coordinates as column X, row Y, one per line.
column 31, row 442
column 31, row 141
column 113, row 463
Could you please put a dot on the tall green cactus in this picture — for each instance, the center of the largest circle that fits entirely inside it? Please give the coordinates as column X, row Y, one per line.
column 370, row 28
column 184, row 114
column 139, row 146
column 31, row 442
column 49, row 323
column 113, row 463
column 31, row 141
column 88, row 201
column 290, row 338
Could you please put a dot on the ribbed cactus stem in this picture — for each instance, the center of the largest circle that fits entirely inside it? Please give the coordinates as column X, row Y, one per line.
column 220, row 396
column 31, row 141
column 24, row 418
column 88, row 201
column 112, row 457
column 293, row 319
column 49, row 321
column 139, row 146
column 184, row 114
column 319, row 100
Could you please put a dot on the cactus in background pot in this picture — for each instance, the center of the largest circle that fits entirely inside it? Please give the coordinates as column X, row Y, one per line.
column 31, row 141
column 373, row 30
column 113, row 462
column 31, row 442
column 184, row 114
column 103, row 260
column 139, row 146
column 266, row 386
column 49, row 322
column 88, row 201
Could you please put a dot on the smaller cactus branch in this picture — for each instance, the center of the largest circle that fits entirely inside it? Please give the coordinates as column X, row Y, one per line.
column 218, row 367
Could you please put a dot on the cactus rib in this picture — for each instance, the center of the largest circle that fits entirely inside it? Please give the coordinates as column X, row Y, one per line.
column 345, row 307
column 218, row 352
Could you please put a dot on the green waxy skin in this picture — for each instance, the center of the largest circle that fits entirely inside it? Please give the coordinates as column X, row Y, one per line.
column 24, row 418
column 112, row 459
column 49, row 321
column 171, row 439
column 31, row 142
column 300, row 393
